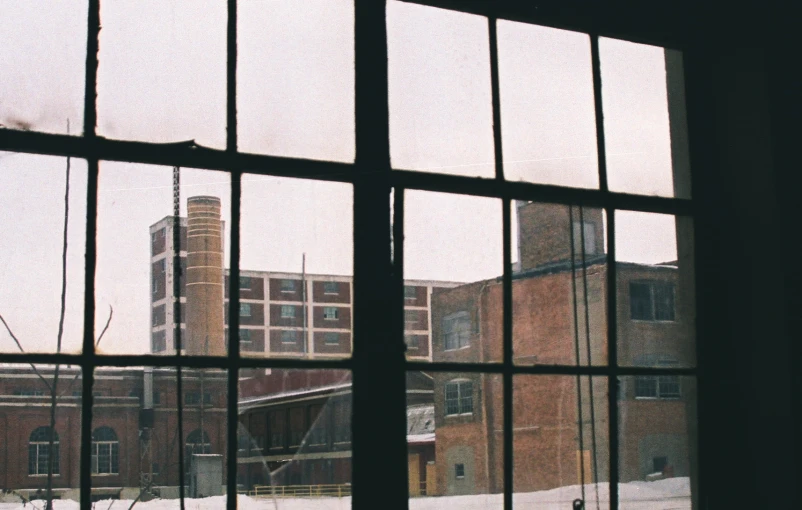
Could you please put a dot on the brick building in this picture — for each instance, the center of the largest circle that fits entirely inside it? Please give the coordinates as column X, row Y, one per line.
column 281, row 314
column 554, row 323
column 132, row 439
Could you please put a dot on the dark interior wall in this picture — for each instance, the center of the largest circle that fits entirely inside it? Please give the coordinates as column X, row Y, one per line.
column 748, row 276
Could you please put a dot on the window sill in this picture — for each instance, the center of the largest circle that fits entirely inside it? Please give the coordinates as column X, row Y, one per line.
column 44, row 475
column 457, row 348
column 105, row 474
column 458, row 415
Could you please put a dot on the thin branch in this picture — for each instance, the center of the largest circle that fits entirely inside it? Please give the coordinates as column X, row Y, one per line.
column 16, row 341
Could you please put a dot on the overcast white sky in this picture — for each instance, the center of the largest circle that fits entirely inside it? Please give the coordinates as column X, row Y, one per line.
column 162, row 78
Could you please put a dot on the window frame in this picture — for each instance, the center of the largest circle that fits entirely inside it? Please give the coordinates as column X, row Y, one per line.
column 113, row 454
column 454, row 340
column 371, row 279
column 460, row 386
column 331, row 313
column 653, row 286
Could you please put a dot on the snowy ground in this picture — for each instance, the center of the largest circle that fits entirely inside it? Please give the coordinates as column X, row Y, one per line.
column 671, row 494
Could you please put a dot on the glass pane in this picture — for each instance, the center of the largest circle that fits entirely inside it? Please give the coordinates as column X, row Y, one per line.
column 547, row 106
column 136, row 259
column 441, row 117
column 295, row 78
column 44, row 61
column 655, row 287
column 296, row 268
column 32, row 454
column 559, row 285
column 453, row 260
column 145, row 465
column 657, row 436
column 455, row 440
column 560, row 446
column 162, row 71
column 32, row 243
column 645, row 129
column 295, row 436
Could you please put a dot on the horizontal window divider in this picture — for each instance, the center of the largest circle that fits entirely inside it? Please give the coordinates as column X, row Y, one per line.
column 514, row 190
column 173, row 360
column 498, row 368
column 627, row 21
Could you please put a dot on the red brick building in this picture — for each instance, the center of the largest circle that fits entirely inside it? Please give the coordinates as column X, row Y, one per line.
column 555, row 324
column 129, row 444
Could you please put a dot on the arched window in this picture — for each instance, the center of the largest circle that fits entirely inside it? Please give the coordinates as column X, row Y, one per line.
column 105, row 452
column 38, row 454
column 197, row 443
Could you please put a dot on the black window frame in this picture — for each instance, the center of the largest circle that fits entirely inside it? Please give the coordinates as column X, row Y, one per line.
column 656, row 307
column 378, row 371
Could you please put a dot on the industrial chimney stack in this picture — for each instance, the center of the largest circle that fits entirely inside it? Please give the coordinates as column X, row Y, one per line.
column 205, row 333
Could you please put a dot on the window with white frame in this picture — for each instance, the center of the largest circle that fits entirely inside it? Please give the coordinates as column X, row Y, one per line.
column 584, row 231
column 244, row 335
column 410, row 292
column 244, row 309
column 331, row 338
column 38, row 452
column 331, row 288
column 330, row 313
column 244, row 282
column 651, row 300
column 289, row 336
column 288, row 285
column 105, row 452
column 287, row 312
column 457, row 330
column 459, row 397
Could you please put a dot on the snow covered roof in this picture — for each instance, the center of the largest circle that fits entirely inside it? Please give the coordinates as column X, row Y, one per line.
column 420, row 420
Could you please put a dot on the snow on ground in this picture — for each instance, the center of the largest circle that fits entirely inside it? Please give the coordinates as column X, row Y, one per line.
column 670, row 494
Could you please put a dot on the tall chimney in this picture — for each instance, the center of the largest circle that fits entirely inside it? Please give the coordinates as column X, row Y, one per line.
column 204, row 309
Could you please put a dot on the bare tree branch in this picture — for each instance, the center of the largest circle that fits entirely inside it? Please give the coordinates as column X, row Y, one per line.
column 16, row 341
column 63, row 312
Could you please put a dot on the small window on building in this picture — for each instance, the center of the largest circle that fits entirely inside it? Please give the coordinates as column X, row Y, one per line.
column 287, row 285
column 651, row 301
column 659, row 464
column 287, row 312
column 288, row 336
column 332, row 338
column 331, row 288
column 410, row 320
column 192, row 398
column 244, row 310
column 39, row 451
column 105, row 452
column 584, row 231
column 459, row 397
column 244, row 282
column 244, row 335
column 330, row 313
column 411, row 341
column 459, row 471
column 663, row 386
column 410, row 292
column 457, row 330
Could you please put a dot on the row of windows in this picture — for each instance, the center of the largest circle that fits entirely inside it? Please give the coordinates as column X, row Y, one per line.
column 332, row 288
column 290, row 311
column 105, row 452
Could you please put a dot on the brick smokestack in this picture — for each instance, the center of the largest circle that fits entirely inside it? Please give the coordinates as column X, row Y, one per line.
column 205, row 328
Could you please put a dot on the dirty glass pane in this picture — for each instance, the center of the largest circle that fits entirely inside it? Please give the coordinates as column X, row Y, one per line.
column 645, row 129
column 655, row 287
column 162, row 71
column 455, row 440
column 43, row 59
column 657, row 438
column 452, row 269
column 559, row 312
column 32, row 453
column 32, row 200
column 439, row 91
column 136, row 260
column 295, row 437
column 560, row 446
column 296, row 267
column 295, row 78
column 547, row 108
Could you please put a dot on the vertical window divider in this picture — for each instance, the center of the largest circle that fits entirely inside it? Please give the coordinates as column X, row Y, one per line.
column 612, row 358
column 506, row 215
column 88, row 348
column 233, row 353
column 599, row 106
